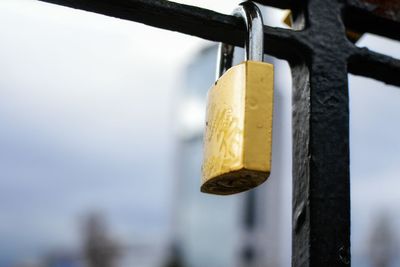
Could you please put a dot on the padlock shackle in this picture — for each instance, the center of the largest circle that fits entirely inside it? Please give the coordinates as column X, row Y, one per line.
column 254, row 44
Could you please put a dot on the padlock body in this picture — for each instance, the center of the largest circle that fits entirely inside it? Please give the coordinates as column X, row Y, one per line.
column 238, row 132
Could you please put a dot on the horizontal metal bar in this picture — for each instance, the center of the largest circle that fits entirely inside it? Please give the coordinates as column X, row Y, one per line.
column 164, row 14
column 375, row 65
column 210, row 25
column 382, row 18
column 387, row 9
column 186, row 19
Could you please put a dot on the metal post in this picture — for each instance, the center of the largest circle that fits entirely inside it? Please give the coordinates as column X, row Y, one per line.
column 321, row 188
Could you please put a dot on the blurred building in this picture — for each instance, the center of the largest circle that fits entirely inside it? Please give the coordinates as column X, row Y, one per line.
column 64, row 259
column 243, row 230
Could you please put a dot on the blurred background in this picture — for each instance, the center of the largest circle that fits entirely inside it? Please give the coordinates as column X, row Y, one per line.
column 101, row 126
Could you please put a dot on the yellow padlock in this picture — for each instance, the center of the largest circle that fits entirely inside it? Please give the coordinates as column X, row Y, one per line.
column 238, row 131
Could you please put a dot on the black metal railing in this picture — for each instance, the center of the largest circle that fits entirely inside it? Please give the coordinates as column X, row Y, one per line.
column 320, row 56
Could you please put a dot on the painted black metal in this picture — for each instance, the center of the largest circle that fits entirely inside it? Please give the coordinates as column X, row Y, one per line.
column 321, row 176
column 377, row 16
column 281, row 43
column 320, row 56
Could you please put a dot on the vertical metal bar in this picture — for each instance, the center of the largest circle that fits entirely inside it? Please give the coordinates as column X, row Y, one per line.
column 321, row 188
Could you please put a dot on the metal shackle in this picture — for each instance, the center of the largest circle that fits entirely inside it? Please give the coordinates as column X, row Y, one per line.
column 254, row 44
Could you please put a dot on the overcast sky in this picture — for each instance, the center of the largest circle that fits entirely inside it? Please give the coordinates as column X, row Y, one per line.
column 85, row 115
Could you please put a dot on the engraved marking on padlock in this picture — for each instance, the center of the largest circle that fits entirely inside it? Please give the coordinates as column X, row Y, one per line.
column 237, row 154
column 224, row 128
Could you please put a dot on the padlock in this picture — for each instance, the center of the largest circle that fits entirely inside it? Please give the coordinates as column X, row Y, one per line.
column 238, row 131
